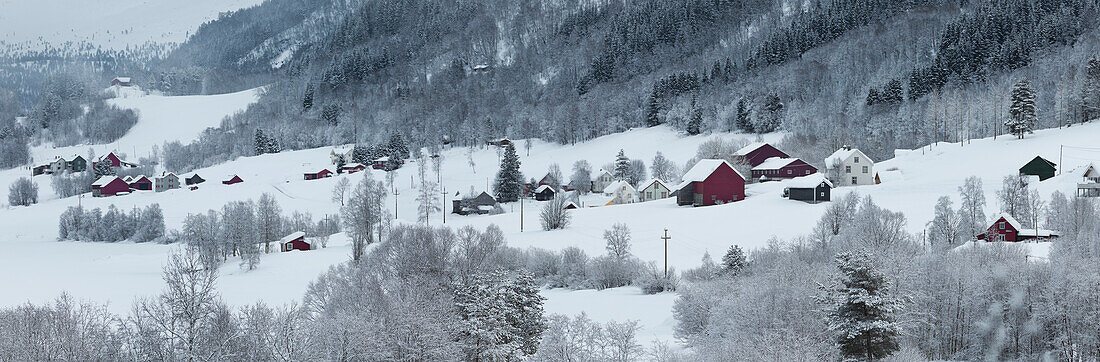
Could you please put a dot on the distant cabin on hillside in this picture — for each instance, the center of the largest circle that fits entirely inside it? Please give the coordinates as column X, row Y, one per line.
column 353, row 167
column 109, row 186
column 121, row 82
column 167, row 181
column 483, row 203
column 141, row 183
column 1039, row 166
column 323, row 173
column 782, row 168
column 710, row 182
column 295, row 241
column 653, row 189
column 849, row 166
column 1007, row 228
column 813, row 189
column 114, row 160
column 756, row 153
column 194, row 179
column 232, row 179
column 545, row 193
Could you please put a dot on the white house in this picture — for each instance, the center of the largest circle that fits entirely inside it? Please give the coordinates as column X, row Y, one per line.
column 336, row 155
column 167, row 181
column 59, row 165
column 602, row 180
column 653, row 189
column 620, row 192
column 849, row 166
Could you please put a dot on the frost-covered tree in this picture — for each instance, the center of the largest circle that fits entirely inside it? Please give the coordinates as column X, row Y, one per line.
column 618, row 241
column 340, row 191
column 509, row 181
column 945, row 228
column 1013, row 197
column 622, row 166
column 971, row 206
column 734, row 261
column 554, row 215
column 1090, row 90
column 653, row 110
column 637, row 173
column 362, row 214
column 581, row 180
column 770, row 116
column 268, row 220
column 500, row 316
column 307, row 97
column 744, row 120
column 184, row 313
column 556, row 178
column 1023, row 113
column 22, row 192
column 330, row 113
column 103, row 169
column 426, row 200
column 151, row 224
column 663, row 169
column 861, row 310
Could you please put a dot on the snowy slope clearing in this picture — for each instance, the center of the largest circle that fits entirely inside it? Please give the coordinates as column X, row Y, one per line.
column 117, row 272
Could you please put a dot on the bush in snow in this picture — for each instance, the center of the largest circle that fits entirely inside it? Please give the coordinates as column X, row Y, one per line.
column 554, row 215
column 23, row 192
column 580, row 339
column 653, row 279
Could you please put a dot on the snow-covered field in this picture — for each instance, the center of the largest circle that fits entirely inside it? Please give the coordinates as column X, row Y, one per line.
column 117, row 273
column 106, row 24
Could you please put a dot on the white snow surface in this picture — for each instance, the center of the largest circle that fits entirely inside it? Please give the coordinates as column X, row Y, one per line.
column 117, row 273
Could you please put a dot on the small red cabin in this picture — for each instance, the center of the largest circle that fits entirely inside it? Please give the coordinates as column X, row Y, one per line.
column 141, row 183
column 317, row 175
column 710, row 182
column 295, row 241
column 1006, row 228
column 782, row 168
column 354, row 167
column 756, row 153
column 109, row 186
column 232, row 180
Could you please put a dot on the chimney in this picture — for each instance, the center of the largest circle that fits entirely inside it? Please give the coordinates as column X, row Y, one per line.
column 847, row 148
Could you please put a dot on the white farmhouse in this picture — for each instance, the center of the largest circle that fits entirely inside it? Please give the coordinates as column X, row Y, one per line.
column 653, row 189
column 849, row 166
column 602, row 180
column 620, row 192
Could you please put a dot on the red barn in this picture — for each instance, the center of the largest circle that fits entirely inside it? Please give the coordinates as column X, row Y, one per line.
column 782, row 168
column 317, row 175
column 295, row 241
column 109, row 186
column 121, row 81
column 711, row 182
column 110, row 158
column 141, row 183
column 1007, row 228
column 756, row 153
column 234, row 179
column 354, row 167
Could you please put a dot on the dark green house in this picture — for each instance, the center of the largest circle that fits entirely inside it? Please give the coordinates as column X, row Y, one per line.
column 78, row 164
column 1039, row 167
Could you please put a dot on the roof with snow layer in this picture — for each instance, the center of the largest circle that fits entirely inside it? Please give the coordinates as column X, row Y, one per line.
column 702, row 170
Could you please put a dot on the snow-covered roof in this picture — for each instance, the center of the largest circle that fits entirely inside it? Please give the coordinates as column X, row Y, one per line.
column 128, row 179
column 169, row 174
column 614, row 187
column 1040, row 233
column 292, row 236
column 123, row 79
column 567, row 203
column 1011, row 221
column 382, row 159
column 1091, row 171
column 135, row 179
column 354, row 165
column 650, row 182
column 702, row 170
column 543, row 187
column 843, row 154
column 809, row 181
column 751, row 147
column 104, row 180
column 775, row 163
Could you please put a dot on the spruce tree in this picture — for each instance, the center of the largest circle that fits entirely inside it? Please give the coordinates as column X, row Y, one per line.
column 1023, row 113
column 622, row 166
column 307, row 99
column 509, row 182
column 331, row 113
column 860, row 310
column 652, row 110
column 734, row 261
column 1090, row 92
column 103, row 168
column 744, row 123
column 397, row 147
column 260, row 145
column 695, row 124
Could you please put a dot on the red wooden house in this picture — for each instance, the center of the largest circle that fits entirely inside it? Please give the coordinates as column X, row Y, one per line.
column 233, row 179
column 782, row 168
column 710, row 182
column 121, row 81
column 141, row 183
column 295, row 241
column 317, row 175
column 756, row 153
column 353, row 167
column 1007, row 228
column 109, row 186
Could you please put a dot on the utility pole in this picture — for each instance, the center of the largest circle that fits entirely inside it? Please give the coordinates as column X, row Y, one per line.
column 395, row 194
column 666, row 238
column 1060, row 149
column 521, row 210
column 444, row 200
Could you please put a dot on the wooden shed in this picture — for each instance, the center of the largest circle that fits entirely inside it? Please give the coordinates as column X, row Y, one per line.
column 1039, row 166
column 295, row 241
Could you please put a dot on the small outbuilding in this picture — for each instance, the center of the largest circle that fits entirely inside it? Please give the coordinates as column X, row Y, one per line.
column 483, row 203
column 121, row 82
column 295, row 241
column 141, row 183
column 317, row 175
column 1039, row 166
column 545, row 193
column 813, row 189
column 194, row 179
column 232, row 179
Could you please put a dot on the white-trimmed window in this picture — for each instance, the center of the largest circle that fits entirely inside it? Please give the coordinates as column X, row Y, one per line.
column 865, row 169
column 847, row 169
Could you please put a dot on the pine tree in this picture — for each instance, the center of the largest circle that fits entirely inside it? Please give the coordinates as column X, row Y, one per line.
column 652, row 110
column 771, row 115
column 1023, row 113
column 734, row 261
column 397, row 148
column 509, row 182
column 860, row 309
column 260, row 145
column 307, row 99
column 744, row 123
column 331, row 113
column 622, row 166
column 1090, row 90
column 696, row 123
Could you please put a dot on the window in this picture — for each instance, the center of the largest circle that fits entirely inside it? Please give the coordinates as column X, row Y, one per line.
column 1001, row 225
column 807, row 172
column 789, row 171
column 649, row 194
column 857, row 159
column 847, row 169
column 664, row 194
column 854, row 180
column 864, row 169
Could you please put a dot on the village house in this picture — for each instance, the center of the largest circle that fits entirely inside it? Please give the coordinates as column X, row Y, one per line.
column 295, row 241
column 653, row 189
column 58, row 166
column 77, row 164
column 545, row 193
column 232, row 179
column 813, row 188
column 167, row 181
column 338, row 156
column 141, row 183
column 710, row 182
column 114, row 160
column 756, row 153
column 109, row 186
column 1039, row 166
column 317, row 175
column 849, row 166
column 121, row 82
column 1090, row 185
column 1007, row 228
column 194, row 179
column 483, row 203
column 620, row 192
column 602, row 180
column 353, row 168
column 782, row 168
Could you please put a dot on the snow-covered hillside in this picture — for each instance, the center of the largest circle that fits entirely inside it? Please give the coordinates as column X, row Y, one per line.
column 912, row 182
column 106, row 24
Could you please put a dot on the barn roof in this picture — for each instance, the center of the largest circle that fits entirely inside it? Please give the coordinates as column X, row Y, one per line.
column 292, row 236
column 543, row 188
column 354, row 165
column 775, row 163
column 123, row 79
column 808, row 182
column 104, row 180
column 1011, row 221
column 702, row 170
column 842, row 154
column 751, row 147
